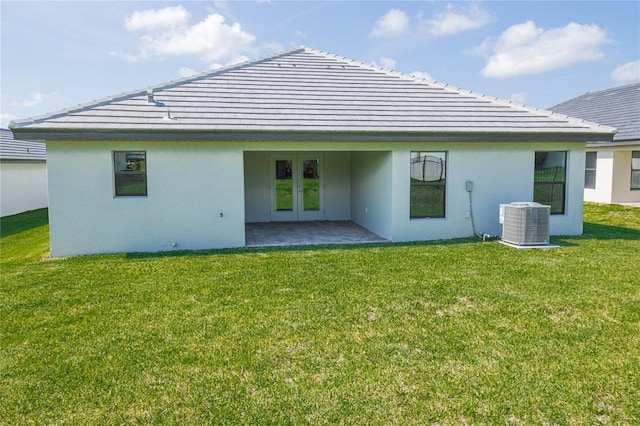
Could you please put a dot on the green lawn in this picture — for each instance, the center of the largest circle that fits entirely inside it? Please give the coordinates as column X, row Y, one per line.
column 456, row 332
column 310, row 194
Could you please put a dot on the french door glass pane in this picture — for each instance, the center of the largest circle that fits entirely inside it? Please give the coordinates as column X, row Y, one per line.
column 310, row 185
column 284, row 186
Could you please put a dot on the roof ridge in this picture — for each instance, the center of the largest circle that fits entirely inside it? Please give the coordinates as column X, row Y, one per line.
column 623, row 86
column 598, row 93
column 461, row 91
column 221, row 70
column 145, row 90
column 357, row 62
column 356, row 70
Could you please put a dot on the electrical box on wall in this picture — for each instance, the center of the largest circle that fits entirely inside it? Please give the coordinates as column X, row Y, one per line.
column 469, row 185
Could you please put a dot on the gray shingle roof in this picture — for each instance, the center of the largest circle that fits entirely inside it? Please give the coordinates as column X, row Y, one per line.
column 305, row 91
column 617, row 107
column 17, row 150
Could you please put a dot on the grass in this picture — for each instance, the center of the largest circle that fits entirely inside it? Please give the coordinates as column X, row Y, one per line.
column 454, row 332
column 310, row 194
column 427, row 201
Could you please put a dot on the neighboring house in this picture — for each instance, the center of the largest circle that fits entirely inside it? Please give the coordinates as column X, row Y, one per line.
column 23, row 175
column 612, row 173
column 301, row 135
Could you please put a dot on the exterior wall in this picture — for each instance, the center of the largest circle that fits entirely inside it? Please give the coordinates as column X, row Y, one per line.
column 197, row 198
column 571, row 222
column 337, row 188
column 193, row 198
column 371, row 191
column 23, row 186
column 613, row 176
column 604, row 179
column 622, row 192
column 501, row 173
column 258, row 197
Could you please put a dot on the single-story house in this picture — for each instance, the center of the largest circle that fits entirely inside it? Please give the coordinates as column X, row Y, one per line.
column 612, row 169
column 301, row 135
column 23, row 175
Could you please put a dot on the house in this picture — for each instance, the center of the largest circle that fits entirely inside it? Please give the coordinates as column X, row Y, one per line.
column 301, row 135
column 612, row 172
column 23, row 175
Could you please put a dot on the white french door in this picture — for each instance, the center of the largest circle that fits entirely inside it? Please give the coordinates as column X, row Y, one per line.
column 296, row 187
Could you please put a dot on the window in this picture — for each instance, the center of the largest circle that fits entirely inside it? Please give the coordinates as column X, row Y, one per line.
column 130, row 173
column 428, row 184
column 549, row 180
column 590, row 170
column 635, row 170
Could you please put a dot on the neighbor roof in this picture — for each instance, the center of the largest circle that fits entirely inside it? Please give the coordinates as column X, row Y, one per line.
column 618, row 107
column 303, row 92
column 16, row 150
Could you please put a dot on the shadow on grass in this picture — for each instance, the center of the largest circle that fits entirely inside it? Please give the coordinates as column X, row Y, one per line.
column 298, row 248
column 608, row 232
column 596, row 231
column 14, row 224
column 592, row 231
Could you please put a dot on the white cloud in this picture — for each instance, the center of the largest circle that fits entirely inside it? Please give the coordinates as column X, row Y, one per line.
column 168, row 32
column 627, row 72
column 186, row 72
column 527, row 49
column 154, row 19
column 34, row 100
column 422, row 75
column 395, row 22
column 386, row 63
column 519, row 97
column 456, row 19
column 235, row 60
column 6, row 118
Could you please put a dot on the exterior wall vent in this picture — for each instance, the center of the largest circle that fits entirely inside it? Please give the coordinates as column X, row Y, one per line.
column 525, row 223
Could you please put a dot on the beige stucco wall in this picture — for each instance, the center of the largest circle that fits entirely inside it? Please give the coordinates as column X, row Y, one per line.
column 613, row 176
column 23, row 187
column 622, row 192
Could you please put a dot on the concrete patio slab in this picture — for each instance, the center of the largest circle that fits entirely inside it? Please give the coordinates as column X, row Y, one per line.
column 308, row 233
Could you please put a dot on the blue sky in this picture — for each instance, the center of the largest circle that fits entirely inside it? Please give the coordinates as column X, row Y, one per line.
column 57, row 54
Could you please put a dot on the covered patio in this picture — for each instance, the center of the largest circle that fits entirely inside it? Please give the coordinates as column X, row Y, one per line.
column 266, row 234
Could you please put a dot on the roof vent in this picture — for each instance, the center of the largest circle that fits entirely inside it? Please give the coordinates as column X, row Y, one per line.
column 151, row 100
column 169, row 116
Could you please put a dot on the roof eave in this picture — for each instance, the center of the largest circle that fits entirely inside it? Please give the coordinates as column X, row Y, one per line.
column 48, row 135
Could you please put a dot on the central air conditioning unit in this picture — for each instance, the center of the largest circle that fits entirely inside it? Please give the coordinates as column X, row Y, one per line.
column 525, row 223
